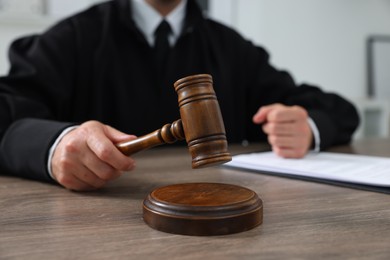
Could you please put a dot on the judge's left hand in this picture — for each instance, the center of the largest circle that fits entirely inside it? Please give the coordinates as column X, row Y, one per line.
column 287, row 127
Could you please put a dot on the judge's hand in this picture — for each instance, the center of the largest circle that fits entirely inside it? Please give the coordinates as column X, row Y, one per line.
column 86, row 157
column 287, row 127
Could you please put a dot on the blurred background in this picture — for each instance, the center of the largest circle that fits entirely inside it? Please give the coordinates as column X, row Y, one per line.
column 342, row 46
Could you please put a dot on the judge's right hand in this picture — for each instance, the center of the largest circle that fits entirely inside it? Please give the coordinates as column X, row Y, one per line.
column 86, row 158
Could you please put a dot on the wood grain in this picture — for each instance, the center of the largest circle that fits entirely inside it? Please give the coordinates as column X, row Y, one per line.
column 203, row 209
column 302, row 220
column 201, row 125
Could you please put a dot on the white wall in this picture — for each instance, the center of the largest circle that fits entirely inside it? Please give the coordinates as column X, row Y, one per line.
column 318, row 41
column 22, row 17
column 8, row 32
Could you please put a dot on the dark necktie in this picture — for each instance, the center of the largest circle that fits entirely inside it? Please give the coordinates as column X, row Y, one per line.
column 161, row 47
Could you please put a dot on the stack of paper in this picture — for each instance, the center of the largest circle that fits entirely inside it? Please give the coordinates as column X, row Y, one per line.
column 352, row 168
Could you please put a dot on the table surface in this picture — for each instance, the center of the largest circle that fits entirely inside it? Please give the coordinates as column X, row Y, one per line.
column 302, row 219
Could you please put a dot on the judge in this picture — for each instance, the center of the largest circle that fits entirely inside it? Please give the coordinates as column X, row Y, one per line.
column 106, row 74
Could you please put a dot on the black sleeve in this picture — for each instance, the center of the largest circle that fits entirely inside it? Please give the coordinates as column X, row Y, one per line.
column 33, row 100
column 335, row 117
column 24, row 148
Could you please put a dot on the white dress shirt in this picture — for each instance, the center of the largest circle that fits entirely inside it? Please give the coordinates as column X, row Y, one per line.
column 148, row 19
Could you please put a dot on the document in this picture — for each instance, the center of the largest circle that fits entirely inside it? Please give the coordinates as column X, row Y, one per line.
column 349, row 168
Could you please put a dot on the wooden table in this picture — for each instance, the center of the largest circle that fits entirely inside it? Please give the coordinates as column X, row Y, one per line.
column 302, row 220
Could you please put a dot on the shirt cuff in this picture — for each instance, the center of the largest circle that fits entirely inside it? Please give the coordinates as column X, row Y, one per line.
column 54, row 146
column 316, row 135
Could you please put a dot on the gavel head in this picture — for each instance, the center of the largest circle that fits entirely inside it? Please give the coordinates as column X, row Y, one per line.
column 202, row 121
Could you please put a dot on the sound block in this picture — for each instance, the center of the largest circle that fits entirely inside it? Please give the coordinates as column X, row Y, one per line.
column 202, row 209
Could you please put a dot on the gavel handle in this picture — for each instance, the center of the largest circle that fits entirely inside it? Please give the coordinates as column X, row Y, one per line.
column 169, row 133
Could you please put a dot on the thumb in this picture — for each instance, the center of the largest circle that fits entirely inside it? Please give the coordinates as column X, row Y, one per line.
column 117, row 136
column 261, row 114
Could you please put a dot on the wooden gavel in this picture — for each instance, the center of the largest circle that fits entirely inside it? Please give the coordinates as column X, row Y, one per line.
column 201, row 125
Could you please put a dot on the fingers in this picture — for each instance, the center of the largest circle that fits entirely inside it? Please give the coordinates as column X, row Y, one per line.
column 287, row 128
column 105, row 150
column 288, row 147
column 83, row 172
column 86, row 158
column 292, row 145
column 279, row 113
column 78, row 178
column 262, row 114
column 101, row 169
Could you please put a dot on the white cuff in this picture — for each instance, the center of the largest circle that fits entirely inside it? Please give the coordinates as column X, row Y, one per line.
column 54, row 146
column 316, row 135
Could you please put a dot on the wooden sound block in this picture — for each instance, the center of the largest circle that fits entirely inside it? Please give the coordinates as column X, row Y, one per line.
column 203, row 209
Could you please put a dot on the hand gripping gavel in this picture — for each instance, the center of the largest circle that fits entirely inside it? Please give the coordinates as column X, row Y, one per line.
column 201, row 125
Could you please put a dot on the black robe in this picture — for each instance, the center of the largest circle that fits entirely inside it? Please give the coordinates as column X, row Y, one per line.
column 97, row 65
